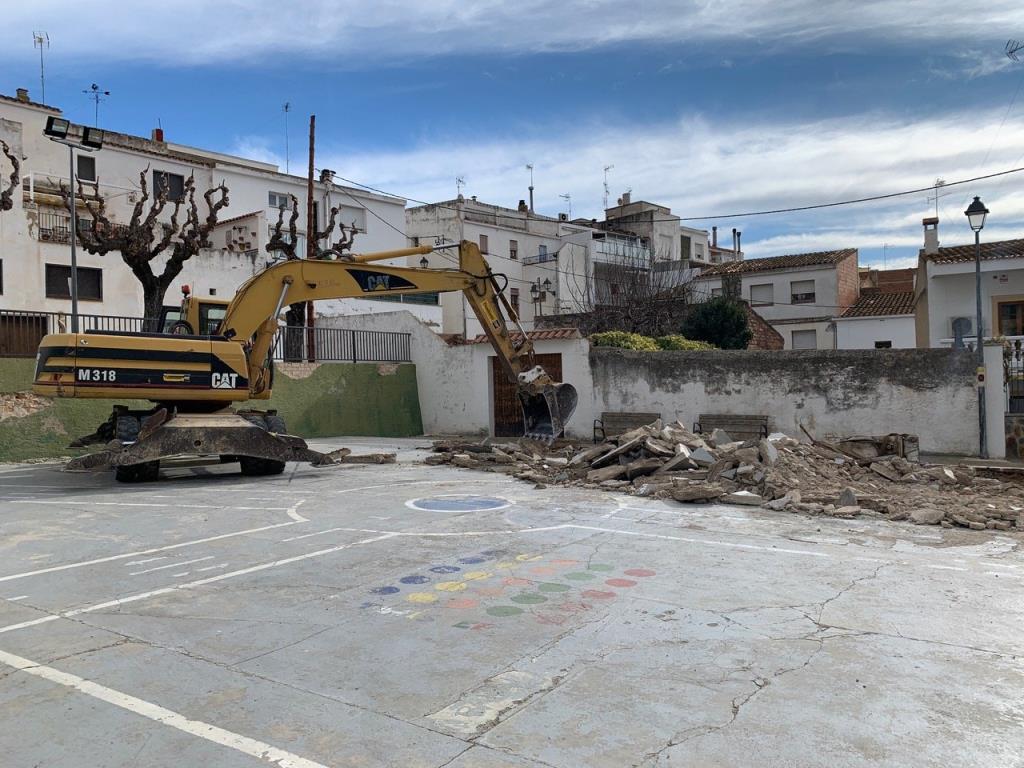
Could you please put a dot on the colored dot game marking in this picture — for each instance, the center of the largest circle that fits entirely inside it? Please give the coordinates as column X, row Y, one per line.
column 602, row 567
column 514, row 581
column 462, row 603
column 543, row 570
column 620, row 583
column 384, row 590
column 414, row 580
column 450, row 586
column 598, row 594
column 504, row 610
column 421, row 597
column 445, row 569
column 579, row 576
column 639, row 572
column 551, row 586
column 475, row 575
column 565, row 562
column 529, row 598
column 527, row 558
column 472, row 560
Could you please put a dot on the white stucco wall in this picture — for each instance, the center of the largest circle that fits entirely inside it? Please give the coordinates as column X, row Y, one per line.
column 863, row 332
column 826, row 299
column 951, row 293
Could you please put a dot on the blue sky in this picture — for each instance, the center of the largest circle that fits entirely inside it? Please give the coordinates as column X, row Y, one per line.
column 709, row 107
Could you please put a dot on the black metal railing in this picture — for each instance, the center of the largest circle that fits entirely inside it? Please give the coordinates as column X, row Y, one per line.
column 21, row 331
column 1013, row 376
column 340, row 345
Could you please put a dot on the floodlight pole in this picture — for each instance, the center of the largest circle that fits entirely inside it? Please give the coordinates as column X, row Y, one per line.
column 74, row 234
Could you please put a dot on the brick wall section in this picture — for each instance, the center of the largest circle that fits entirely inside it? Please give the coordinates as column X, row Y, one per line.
column 764, row 337
column 847, row 282
column 896, row 280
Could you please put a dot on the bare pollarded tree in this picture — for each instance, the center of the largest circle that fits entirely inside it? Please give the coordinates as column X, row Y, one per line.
column 286, row 242
column 145, row 237
column 7, row 192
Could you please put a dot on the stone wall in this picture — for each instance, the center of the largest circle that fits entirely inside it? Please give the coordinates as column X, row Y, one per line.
column 1015, row 436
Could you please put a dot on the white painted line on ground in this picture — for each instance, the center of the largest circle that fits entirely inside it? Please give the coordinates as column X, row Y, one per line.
column 188, row 585
column 320, row 533
column 99, row 560
column 293, row 513
column 944, row 567
column 212, row 567
column 260, row 750
column 172, row 565
column 1001, row 565
column 1004, row 575
column 178, row 575
column 19, row 597
column 147, row 560
column 711, row 542
column 147, row 504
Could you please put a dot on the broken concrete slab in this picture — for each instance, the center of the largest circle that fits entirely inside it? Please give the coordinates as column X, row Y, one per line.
column 885, row 470
column 621, row 450
column 743, row 497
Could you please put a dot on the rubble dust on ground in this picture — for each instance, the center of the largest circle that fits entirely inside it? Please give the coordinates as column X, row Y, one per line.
column 778, row 472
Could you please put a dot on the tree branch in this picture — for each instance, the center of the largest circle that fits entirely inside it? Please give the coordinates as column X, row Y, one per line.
column 7, row 195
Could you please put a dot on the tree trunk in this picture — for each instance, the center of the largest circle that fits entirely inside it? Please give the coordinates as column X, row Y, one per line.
column 152, row 303
column 294, row 335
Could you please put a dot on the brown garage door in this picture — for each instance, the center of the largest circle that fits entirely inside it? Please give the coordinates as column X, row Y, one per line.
column 508, row 416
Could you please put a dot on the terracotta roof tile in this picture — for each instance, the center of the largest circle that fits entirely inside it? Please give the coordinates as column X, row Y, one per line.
column 882, row 305
column 1000, row 249
column 778, row 262
column 544, row 334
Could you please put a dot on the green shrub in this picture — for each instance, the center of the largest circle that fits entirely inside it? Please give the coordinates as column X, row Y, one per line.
column 720, row 322
column 624, row 340
column 675, row 341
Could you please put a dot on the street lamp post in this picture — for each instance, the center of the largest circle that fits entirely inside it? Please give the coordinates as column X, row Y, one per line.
column 976, row 213
column 89, row 140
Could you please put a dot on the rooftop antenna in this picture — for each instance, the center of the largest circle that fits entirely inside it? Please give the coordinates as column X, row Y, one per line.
column 529, row 167
column 606, row 169
column 1014, row 48
column 41, row 40
column 935, row 196
column 885, row 247
column 96, row 94
column 460, row 182
column 568, row 198
column 286, row 108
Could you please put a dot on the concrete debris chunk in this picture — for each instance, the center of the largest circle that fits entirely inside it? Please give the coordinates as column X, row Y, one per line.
column 669, row 462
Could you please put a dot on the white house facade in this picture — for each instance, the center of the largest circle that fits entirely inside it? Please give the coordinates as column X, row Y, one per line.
column 878, row 321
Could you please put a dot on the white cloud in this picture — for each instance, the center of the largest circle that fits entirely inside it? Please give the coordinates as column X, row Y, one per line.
column 698, row 168
column 351, row 31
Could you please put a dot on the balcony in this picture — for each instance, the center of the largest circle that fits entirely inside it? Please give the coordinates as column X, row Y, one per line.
column 55, row 227
column 541, row 257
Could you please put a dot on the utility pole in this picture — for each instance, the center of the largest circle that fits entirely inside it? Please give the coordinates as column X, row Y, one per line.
column 529, row 167
column 287, row 159
column 41, row 40
column 310, row 240
column 96, row 93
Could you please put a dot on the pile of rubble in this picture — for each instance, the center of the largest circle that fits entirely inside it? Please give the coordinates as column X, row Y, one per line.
column 778, row 472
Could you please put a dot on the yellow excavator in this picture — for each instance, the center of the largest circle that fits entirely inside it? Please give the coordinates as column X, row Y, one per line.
column 211, row 353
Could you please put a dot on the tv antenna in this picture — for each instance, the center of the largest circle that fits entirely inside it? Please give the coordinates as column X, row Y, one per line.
column 460, row 182
column 1014, row 48
column 606, row 169
column 885, row 247
column 936, row 195
column 286, row 108
column 568, row 198
column 529, row 167
column 96, row 93
column 41, row 40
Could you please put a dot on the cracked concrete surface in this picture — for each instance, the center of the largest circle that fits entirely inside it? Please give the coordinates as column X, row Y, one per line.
column 572, row 628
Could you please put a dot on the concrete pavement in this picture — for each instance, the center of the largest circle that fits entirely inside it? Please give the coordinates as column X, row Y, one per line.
column 403, row 615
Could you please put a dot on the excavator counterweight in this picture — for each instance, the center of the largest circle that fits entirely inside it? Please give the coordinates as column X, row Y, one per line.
column 212, row 353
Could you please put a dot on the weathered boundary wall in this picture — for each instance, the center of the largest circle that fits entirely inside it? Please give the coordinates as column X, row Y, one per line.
column 928, row 392
column 316, row 401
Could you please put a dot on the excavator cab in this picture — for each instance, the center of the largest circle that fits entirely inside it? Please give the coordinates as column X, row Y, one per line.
column 195, row 316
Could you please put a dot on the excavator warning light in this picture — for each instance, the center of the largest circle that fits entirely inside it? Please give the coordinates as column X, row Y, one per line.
column 185, row 290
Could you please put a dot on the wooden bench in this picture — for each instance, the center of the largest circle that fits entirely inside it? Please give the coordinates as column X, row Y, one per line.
column 738, row 427
column 614, row 423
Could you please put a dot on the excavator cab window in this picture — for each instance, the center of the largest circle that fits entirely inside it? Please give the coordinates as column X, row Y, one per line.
column 210, row 317
column 168, row 317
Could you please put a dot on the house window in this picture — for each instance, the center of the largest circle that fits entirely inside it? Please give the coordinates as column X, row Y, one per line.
column 483, row 244
column 277, row 199
column 543, row 250
column 58, row 283
column 763, row 294
column 802, row 291
column 350, row 214
column 514, row 301
column 1011, row 318
column 513, row 249
column 883, row 345
column 173, row 182
column 805, row 339
column 717, row 292
column 86, row 168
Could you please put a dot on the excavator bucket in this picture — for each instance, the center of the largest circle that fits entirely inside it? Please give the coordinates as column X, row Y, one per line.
column 547, row 409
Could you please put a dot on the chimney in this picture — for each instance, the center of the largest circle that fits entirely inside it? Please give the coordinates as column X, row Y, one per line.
column 734, row 239
column 158, row 135
column 23, row 95
column 739, row 235
column 714, row 237
column 522, row 207
column 931, row 234
column 626, row 197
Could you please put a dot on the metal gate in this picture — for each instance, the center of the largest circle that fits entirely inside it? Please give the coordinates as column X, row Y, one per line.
column 508, row 416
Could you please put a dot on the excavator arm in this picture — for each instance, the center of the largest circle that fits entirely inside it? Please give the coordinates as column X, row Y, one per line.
column 251, row 318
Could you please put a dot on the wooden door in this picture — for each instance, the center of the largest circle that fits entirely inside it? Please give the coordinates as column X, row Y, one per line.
column 508, row 416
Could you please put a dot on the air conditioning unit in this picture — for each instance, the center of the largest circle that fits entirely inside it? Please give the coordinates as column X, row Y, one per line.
column 563, row 217
column 962, row 325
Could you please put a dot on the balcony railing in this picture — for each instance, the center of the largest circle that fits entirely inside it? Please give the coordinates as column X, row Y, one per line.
column 340, row 345
column 541, row 257
column 55, row 227
column 21, row 332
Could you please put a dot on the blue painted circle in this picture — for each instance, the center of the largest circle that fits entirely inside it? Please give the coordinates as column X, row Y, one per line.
column 456, row 503
column 414, row 579
column 384, row 590
column 472, row 560
column 445, row 569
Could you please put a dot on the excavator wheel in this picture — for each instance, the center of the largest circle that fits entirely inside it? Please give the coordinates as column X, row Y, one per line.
column 253, row 467
column 147, row 472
